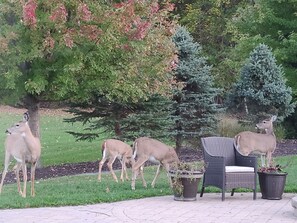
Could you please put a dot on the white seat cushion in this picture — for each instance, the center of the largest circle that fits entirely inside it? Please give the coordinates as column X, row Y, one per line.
column 232, row 169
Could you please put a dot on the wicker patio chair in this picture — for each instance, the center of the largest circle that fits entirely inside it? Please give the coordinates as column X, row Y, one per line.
column 226, row 168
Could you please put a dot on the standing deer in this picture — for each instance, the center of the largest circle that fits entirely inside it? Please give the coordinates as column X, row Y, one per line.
column 155, row 151
column 25, row 148
column 112, row 149
column 248, row 142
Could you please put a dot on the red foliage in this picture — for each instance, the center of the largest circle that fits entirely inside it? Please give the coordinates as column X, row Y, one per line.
column 59, row 15
column 84, row 13
column 29, row 14
column 155, row 8
column 68, row 39
column 142, row 28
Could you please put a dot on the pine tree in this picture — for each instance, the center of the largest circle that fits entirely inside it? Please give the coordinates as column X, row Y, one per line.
column 124, row 121
column 261, row 89
column 194, row 107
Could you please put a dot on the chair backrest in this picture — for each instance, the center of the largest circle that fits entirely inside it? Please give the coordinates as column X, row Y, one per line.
column 220, row 146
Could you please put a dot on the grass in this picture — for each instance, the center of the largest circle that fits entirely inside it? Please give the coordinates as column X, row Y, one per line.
column 59, row 147
column 83, row 189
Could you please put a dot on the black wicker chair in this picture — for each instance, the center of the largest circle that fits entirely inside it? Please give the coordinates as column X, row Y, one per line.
column 226, row 168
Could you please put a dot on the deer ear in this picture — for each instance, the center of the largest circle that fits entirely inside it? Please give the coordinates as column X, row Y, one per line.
column 273, row 118
column 26, row 117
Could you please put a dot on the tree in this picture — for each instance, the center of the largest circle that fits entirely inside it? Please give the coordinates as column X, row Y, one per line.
column 67, row 50
column 273, row 23
column 207, row 21
column 262, row 89
column 124, row 121
column 194, row 107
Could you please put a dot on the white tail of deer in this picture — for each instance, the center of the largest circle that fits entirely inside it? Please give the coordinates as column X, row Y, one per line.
column 151, row 149
column 248, row 142
column 25, row 148
column 112, row 149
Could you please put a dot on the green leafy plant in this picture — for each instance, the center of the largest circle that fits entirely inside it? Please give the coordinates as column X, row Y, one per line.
column 185, row 170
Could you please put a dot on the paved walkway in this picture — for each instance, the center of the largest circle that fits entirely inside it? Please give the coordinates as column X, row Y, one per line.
column 240, row 208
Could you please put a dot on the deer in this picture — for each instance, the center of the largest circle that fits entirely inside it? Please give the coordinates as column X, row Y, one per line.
column 113, row 149
column 148, row 149
column 25, row 148
column 264, row 143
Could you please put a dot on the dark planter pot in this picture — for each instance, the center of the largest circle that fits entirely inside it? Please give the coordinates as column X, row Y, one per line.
column 189, row 181
column 272, row 185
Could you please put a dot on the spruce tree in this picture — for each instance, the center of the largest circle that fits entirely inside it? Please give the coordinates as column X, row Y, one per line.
column 194, row 106
column 124, row 121
column 261, row 89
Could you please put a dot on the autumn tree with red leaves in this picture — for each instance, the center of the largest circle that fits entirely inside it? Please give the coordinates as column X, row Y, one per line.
column 66, row 50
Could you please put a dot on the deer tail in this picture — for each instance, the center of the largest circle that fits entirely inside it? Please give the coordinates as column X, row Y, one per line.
column 134, row 150
column 103, row 149
column 237, row 137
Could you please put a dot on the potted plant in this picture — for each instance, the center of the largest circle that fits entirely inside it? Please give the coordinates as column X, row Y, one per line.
column 272, row 182
column 185, row 179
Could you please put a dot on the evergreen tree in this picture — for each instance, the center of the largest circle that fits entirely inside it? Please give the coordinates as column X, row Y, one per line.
column 261, row 89
column 194, row 107
column 124, row 121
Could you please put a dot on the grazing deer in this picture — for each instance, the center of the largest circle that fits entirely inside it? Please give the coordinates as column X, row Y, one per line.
column 155, row 151
column 25, row 148
column 112, row 149
column 248, row 142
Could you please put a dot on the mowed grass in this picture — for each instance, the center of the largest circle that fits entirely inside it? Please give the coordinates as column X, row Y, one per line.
column 59, row 147
column 83, row 189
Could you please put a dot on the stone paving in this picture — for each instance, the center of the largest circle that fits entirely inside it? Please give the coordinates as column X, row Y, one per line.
column 240, row 208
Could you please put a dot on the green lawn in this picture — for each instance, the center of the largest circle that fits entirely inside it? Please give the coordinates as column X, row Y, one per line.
column 59, row 147
column 83, row 189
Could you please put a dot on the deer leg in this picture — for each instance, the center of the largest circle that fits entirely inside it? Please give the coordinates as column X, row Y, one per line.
column 262, row 160
column 167, row 172
column 123, row 162
column 132, row 163
column 17, row 173
column 24, row 169
column 33, row 168
column 135, row 170
column 7, row 159
column 3, row 177
column 142, row 176
column 156, row 175
column 125, row 169
column 100, row 168
column 109, row 164
column 268, row 157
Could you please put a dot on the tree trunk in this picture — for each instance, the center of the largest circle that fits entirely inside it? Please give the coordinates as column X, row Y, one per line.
column 117, row 129
column 246, row 107
column 32, row 104
column 178, row 143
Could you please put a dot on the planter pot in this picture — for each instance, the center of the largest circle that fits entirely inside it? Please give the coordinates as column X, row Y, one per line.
column 272, row 185
column 185, row 184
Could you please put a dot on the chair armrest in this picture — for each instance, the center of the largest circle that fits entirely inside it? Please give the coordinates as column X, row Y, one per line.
column 214, row 164
column 250, row 161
